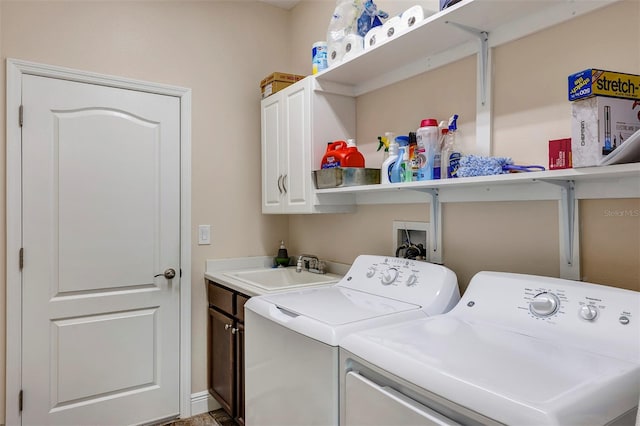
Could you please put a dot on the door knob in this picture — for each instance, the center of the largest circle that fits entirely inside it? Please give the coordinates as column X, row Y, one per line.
column 169, row 273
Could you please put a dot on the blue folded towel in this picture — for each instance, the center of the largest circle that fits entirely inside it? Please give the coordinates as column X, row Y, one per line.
column 474, row 165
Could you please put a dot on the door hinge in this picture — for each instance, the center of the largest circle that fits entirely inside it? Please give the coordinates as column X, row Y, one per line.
column 21, row 256
column 20, row 115
column 20, row 400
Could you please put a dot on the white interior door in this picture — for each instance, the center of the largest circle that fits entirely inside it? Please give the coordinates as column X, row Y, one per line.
column 101, row 220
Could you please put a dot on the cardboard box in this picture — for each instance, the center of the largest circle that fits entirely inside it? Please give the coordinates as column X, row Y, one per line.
column 277, row 81
column 599, row 125
column 273, row 87
column 560, row 154
column 593, row 82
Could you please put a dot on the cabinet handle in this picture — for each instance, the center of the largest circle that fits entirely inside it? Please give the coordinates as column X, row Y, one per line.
column 227, row 326
column 284, row 185
column 280, row 184
column 234, row 330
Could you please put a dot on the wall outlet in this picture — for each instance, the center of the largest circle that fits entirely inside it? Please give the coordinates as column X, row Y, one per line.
column 204, row 234
column 415, row 232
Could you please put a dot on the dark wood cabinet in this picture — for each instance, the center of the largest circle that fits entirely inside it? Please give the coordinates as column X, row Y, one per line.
column 225, row 348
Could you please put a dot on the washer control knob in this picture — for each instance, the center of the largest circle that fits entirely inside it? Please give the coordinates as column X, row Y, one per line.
column 544, row 305
column 371, row 272
column 588, row 312
column 412, row 280
column 389, row 276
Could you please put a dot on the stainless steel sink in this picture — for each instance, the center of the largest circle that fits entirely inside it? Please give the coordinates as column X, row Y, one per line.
column 272, row 279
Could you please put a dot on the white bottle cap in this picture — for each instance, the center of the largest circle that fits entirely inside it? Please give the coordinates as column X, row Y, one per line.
column 351, row 142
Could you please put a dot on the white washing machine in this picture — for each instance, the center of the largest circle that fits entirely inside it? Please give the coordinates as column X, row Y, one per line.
column 517, row 349
column 291, row 339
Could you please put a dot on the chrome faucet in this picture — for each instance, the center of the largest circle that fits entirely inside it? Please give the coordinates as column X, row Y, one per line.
column 311, row 263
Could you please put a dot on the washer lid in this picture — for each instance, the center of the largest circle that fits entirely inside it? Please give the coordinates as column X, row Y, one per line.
column 505, row 375
column 336, row 306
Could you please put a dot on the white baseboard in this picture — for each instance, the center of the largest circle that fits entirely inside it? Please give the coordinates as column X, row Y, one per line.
column 203, row 402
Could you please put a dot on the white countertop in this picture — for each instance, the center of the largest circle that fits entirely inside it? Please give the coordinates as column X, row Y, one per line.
column 219, row 270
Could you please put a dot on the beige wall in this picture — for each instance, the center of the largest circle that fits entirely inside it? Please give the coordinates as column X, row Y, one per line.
column 530, row 108
column 201, row 45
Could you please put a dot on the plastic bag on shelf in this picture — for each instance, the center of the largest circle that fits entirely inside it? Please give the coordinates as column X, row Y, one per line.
column 344, row 21
column 370, row 17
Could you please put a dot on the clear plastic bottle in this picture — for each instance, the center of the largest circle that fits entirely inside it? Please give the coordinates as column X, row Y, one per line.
column 450, row 156
column 407, row 174
column 440, row 171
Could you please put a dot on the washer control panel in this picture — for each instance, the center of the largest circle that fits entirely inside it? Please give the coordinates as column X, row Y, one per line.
column 396, row 271
column 408, row 280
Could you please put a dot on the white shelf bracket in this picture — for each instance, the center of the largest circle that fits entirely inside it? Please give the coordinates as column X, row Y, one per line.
column 484, row 119
column 570, row 265
column 435, row 230
column 483, row 56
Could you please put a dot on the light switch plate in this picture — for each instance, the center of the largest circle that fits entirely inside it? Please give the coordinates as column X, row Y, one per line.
column 204, row 234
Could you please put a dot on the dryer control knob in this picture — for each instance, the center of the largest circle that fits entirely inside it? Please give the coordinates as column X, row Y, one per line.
column 412, row 280
column 544, row 305
column 371, row 272
column 588, row 312
column 389, row 276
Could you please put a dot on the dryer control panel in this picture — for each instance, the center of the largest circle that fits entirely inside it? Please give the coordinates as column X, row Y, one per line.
column 592, row 315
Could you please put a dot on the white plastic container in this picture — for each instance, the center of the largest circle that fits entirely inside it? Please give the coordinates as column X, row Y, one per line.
column 387, row 165
column 319, row 56
column 427, row 139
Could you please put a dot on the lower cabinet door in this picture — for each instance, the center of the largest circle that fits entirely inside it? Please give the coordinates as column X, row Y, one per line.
column 221, row 360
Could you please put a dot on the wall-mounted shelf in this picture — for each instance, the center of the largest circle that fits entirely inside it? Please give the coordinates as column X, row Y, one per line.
column 593, row 182
column 435, row 42
column 566, row 186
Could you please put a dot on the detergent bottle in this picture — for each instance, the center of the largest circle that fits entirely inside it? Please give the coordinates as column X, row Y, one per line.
column 334, row 155
column 427, row 139
column 387, row 165
column 352, row 157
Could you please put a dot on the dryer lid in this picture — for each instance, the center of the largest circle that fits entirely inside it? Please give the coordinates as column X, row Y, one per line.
column 505, row 375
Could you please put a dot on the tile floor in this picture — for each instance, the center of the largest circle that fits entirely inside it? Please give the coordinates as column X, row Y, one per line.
column 212, row 418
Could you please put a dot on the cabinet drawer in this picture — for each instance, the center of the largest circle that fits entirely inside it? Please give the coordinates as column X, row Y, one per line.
column 241, row 299
column 220, row 297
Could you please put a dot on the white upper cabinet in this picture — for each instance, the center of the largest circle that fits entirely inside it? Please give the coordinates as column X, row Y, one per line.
column 297, row 124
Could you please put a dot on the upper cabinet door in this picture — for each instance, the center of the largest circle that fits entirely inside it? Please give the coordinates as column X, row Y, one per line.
column 297, row 149
column 272, row 174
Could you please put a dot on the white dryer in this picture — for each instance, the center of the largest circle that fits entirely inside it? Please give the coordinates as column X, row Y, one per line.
column 517, row 349
column 291, row 339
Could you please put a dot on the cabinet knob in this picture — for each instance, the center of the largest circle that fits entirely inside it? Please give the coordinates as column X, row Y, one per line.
column 234, row 330
column 227, row 326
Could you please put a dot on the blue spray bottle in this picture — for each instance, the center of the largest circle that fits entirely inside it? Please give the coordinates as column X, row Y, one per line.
column 397, row 169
